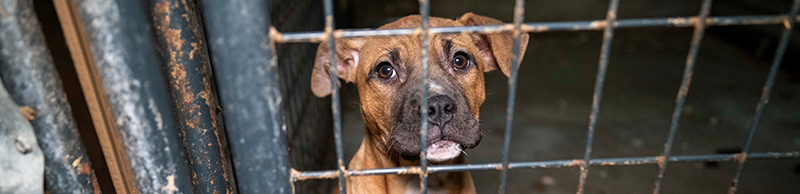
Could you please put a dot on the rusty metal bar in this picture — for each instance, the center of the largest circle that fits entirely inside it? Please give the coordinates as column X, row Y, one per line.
column 519, row 13
column 424, row 11
column 697, row 37
column 762, row 103
column 335, row 102
column 28, row 72
column 245, row 68
column 330, row 174
column 180, row 37
column 120, row 39
column 547, row 27
column 602, row 67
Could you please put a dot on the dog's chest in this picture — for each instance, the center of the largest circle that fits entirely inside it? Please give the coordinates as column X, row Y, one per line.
column 436, row 185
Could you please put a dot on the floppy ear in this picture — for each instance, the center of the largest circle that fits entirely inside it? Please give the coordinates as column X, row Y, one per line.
column 494, row 48
column 347, row 52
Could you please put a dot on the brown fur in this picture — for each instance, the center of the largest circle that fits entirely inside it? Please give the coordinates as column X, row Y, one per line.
column 356, row 58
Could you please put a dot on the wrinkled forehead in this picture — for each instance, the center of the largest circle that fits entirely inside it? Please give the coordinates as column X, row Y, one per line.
column 410, row 46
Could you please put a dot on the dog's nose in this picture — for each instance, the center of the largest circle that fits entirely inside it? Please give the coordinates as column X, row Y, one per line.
column 440, row 110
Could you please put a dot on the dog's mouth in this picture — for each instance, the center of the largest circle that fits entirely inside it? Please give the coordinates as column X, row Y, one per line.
column 443, row 150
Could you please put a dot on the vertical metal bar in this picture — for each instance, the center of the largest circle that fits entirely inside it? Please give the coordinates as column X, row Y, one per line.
column 179, row 35
column 335, row 105
column 28, row 72
column 789, row 24
column 120, row 38
column 519, row 16
column 424, row 12
column 697, row 37
column 608, row 35
column 246, row 71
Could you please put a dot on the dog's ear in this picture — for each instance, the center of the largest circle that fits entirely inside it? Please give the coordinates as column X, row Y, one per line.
column 347, row 52
column 494, row 48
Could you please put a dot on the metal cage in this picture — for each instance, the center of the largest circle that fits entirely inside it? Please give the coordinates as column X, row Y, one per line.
column 699, row 22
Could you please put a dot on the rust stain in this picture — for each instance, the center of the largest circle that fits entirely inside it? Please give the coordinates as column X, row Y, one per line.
column 28, row 113
column 740, row 157
column 660, row 160
column 597, row 24
column 95, row 185
column 578, row 163
column 527, row 28
column 680, row 21
column 297, row 176
column 192, row 123
column 86, row 169
column 607, row 164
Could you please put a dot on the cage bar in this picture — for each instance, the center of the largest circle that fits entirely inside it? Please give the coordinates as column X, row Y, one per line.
column 519, row 13
column 697, row 37
column 331, row 174
column 762, row 103
column 335, row 102
column 602, row 66
column 424, row 9
column 246, row 72
column 536, row 27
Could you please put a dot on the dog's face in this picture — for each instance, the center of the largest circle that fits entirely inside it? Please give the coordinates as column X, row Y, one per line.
column 388, row 73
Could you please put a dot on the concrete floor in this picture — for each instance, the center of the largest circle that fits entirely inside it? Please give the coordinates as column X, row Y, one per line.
column 646, row 65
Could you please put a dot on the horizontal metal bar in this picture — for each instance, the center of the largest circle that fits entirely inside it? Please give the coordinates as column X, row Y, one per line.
column 331, row 174
column 542, row 27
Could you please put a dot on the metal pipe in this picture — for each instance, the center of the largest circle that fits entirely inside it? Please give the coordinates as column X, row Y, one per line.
column 697, row 37
column 762, row 103
column 546, row 27
column 602, row 67
column 182, row 47
column 246, row 72
column 28, row 72
column 122, row 47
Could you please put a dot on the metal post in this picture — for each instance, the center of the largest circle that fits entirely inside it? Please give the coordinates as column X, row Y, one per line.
column 123, row 49
column 28, row 73
column 762, row 103
column 181, row 41
column 246, row 72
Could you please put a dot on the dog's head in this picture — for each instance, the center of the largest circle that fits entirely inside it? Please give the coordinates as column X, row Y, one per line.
column 388, row 73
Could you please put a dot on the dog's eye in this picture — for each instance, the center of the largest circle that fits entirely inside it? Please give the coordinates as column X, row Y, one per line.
column 461, row 60
column 385, row 70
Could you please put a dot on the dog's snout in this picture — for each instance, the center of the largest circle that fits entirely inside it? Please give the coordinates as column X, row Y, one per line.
column 440, row 110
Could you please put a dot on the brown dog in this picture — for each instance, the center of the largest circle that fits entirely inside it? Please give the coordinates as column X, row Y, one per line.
column 387, row 71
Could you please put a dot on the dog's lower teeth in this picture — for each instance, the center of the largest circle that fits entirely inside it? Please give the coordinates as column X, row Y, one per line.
column 443, row 150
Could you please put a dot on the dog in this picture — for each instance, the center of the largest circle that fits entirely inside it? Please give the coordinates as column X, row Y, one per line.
column 388, row 74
